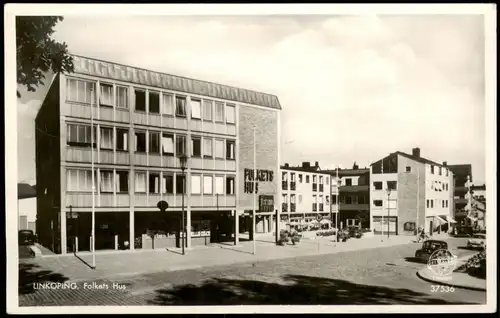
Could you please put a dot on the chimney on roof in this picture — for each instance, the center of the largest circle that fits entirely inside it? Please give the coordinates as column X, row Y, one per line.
column 416, row 152
column 287, row 165
column 355, row 166
column 306, row 164
column 316, row 164
column 445, row 163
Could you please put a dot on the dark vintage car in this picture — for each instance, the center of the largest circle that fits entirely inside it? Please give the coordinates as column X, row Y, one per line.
column 355, row 231
column 428, row 247
column 26, row 237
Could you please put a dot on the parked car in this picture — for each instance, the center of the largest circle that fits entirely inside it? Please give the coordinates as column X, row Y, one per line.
column 477, row 241
column 428, row 247
column 26, row 237
column 355, row 231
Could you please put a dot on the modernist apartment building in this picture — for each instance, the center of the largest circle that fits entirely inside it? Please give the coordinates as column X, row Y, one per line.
column 354, row 196
column 306, row 193
column 144, row 121
column 408, row 191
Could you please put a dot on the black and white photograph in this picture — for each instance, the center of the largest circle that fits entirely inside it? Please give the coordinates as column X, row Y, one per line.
column 250, row 158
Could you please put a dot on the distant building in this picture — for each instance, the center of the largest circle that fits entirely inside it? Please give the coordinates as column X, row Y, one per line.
column 307, row 192
column 463, row 195
column 354, row 196
column 408, row 191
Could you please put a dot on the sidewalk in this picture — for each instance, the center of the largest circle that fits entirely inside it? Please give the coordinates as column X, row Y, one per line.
column 131, row 263
column 456, row 279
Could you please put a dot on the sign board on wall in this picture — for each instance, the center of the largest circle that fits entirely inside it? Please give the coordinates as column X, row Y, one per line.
column 266, row 203
column 260, row 176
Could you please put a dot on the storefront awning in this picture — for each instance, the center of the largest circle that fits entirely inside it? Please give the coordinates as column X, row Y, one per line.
column 440, row 219
column 448, row 218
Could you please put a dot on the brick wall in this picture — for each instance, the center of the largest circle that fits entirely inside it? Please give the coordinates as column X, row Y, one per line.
column 407, row 193
column 266, row 135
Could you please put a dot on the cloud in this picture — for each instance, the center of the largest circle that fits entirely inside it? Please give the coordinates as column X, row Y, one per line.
column 353, row 88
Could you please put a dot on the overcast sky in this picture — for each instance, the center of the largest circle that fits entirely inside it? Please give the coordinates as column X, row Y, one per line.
column 352, row 88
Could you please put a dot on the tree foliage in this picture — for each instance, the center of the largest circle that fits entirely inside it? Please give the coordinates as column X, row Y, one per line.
column 37, row 52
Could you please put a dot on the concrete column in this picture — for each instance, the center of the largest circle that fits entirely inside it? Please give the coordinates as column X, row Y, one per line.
column 236, row 227
column 188, row 228
column 63, row 233
column 76, row 244
column 131, row 230
column 116, row 242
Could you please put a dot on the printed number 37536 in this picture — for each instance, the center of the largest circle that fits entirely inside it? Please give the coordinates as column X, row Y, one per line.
column 442, row 289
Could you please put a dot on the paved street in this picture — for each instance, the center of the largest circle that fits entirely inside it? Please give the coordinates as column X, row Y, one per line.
column 384, row 275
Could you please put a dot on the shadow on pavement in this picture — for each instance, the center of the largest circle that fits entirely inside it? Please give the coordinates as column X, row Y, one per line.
column 414, row 260
column 28, row 276
column 296, row 290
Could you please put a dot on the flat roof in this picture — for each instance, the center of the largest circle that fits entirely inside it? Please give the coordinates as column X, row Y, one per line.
column 105, row 69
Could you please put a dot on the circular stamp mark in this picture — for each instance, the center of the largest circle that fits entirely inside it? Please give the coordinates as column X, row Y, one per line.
column 442, row 263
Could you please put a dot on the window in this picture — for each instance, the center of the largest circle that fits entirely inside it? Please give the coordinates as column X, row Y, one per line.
column 121, row 97
column 428, row 203
column 167, row 144
column 106, row 96
column 284, row 176
column 207, row 184
column 219, row 185
column 432, row 203
column 230, row 153
column 80, row 135
column 377, row 185
column 230, row 114
column 219, row 148
column 334, row 199
column 409, row 226
column 180, row 145
column 140, row 141
column 446, row 203
column 79, row 180
column 219, row 112
column 348, row 199
column 196, row 109
column 442, row 203
column 167, row 183
column 392, row 185
column 300, row 178
column 154, row 142
column 180, row 106
column 154, row 182
column 307, row 179
column 327, row 199
column 140, row 100
column 361, row 199
column 106, row 140
column 432, row 169
column 440, row 171
column 80, row 91
column 446, row 170
column 121, row 181
column 348, row 182
column 167, row 105
column 196, row 146
column 320, row 179
column 207, row 110
column 195, row 184
column 314, row 179
column 207, row 147
column 327, row 180
column 180, row 184
column 229, row 185
column 140, row 182
column 408, row 169
column 121, row 139
column 154, row 102
column 377, row 203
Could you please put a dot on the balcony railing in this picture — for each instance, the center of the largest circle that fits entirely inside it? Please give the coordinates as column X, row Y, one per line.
column 315, row 187
column 292, row 186
column 315, row 208
column 320, row 188
column 321, row 207
column 284, row 185
column 284, row 207
column 292, row 207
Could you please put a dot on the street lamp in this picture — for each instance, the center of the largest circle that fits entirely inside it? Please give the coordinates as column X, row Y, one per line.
column 183, row 161
column 388, row 214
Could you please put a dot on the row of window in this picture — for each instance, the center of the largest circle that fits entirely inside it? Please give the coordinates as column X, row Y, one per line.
column 440, row 170
column 207, row 147
column 439, row 186
column 109, row 181
column 435, row 203
column 284, row 177
column 391, row 185
column 315, row 199
column 164, row 103
column 344, row 199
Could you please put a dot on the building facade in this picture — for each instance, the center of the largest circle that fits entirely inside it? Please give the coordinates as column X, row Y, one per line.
column 307, row 192
column 144, row 122
column 462, row 192
column 409, row 191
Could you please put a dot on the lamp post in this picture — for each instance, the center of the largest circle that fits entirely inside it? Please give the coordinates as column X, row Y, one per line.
column 388, row 211
column 183, row 161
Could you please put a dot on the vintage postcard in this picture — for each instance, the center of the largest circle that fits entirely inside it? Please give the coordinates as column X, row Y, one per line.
column 250, row 158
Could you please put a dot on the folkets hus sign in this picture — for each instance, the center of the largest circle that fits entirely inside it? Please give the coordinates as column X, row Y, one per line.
column 262, row 176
